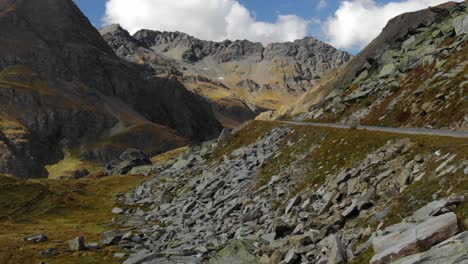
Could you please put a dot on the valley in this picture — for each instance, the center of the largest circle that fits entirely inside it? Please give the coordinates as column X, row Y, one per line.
column 158, row 147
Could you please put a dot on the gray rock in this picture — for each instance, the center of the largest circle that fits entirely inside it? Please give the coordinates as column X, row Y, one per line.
column 231, row 209
column 460, row 25
column 189, row 206
column 117, row 210
column 93, row 246
column 343, row 177
column 387, row 70
column 224, row 136
column 405, row 176
column 119, row 255
column 291, row 257
column 336, row 252
column 416, row 238
column 142, row 257
column 134, row 154
column 77, row 244
column 269, row 238
column 252, row 215
column 451, row 251
column 351, row 210
column 128, row 160
column 365, row 201
column 293, row 202
column 36, row 238
column 111, row 237
column 437, row 207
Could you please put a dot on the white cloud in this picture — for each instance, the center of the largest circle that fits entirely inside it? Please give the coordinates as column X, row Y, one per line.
column 356, row 22
column 206, row 19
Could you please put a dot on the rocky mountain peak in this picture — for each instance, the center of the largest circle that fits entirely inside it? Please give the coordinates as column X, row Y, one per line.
column 65, row 89
column 240, row 72
column 120, row 40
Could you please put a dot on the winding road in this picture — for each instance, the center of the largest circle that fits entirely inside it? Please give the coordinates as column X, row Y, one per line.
column 409, row 131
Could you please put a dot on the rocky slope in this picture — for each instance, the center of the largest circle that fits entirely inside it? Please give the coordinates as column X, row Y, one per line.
column 63, row 90
column 413, row 74
column 241, row 78
column 276, row 193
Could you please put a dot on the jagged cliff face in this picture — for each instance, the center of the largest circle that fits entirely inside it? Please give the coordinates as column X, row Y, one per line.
column 240, row 74
column 413, row 74
column 63, row 89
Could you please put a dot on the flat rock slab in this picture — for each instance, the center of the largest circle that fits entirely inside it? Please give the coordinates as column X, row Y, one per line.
column 415, row 239
column 452, row 251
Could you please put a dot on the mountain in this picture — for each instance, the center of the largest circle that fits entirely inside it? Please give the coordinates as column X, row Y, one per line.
column 64, row 91
column 267, row 192
column 412, row 75
column 240, row 78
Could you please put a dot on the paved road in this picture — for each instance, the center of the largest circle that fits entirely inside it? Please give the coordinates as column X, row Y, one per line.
column 410, row 131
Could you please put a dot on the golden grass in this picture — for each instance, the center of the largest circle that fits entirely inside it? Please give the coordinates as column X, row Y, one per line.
column 67, row 164
column 23, row 77
column 151, row 138
column 62, row 210
column 11, row 126
column 168, row 155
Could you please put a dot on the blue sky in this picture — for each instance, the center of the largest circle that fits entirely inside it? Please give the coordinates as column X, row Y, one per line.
column 349, row 25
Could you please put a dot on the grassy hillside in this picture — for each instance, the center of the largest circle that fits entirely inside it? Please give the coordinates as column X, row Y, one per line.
column 62, row 210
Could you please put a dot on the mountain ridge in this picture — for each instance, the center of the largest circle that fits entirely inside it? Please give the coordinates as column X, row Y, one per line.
column 64, row 88
column 250, row 77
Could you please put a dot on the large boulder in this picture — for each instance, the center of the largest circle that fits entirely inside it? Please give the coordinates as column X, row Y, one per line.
column 452, row 251
column 77, row 244
column 399, row 241
column 128, row 160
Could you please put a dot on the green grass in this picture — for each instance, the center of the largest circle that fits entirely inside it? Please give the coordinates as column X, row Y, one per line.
column 364, row 257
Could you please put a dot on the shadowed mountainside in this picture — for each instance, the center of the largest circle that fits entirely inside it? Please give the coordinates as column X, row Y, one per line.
column 63, row 89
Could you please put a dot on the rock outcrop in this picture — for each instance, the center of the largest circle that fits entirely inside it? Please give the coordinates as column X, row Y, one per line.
column 62, row 88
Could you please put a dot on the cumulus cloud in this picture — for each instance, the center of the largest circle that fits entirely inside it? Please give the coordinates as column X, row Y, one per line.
column 206, row 19
column 355, row 23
